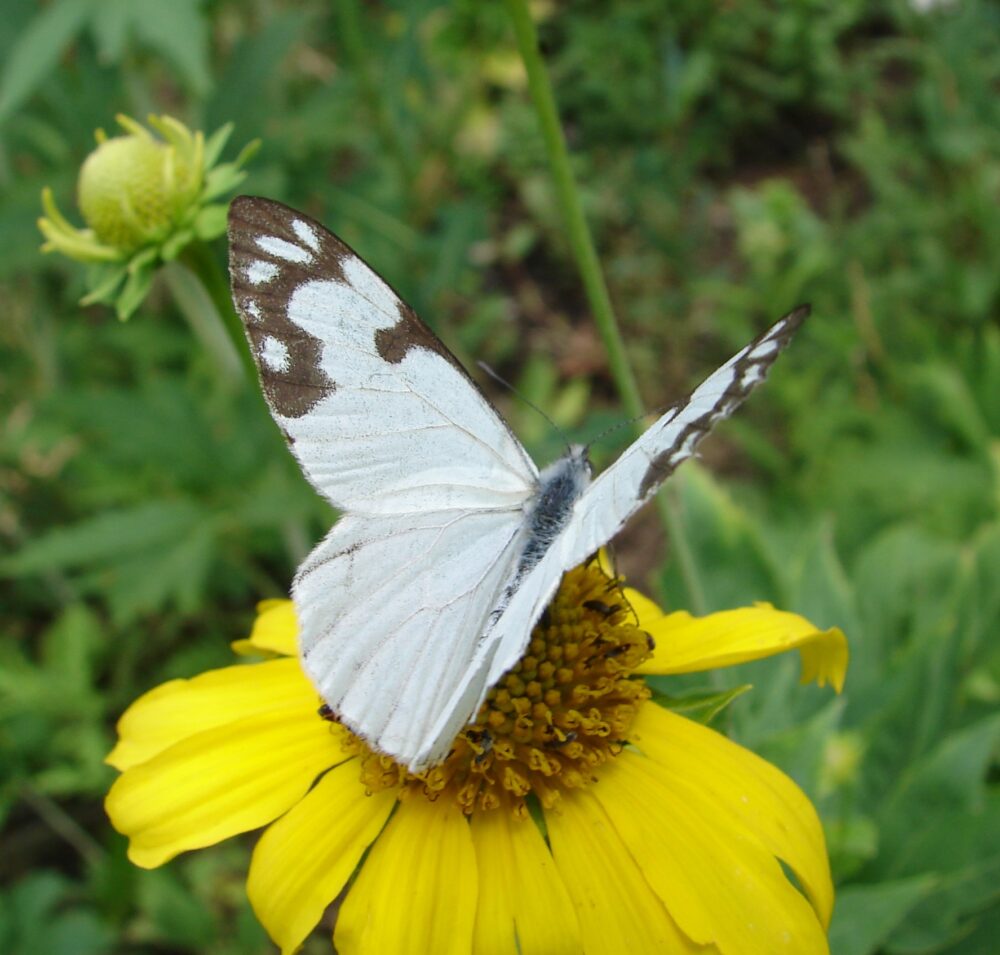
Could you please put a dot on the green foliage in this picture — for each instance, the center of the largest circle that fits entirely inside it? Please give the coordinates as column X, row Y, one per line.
column 732, row 163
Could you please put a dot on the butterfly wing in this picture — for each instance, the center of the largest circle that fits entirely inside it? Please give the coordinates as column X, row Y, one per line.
column 394, row 622
column 394, row 604
column 380, row 415
column 623, row 488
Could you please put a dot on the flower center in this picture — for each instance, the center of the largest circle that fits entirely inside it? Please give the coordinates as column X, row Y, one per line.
column 553, row 719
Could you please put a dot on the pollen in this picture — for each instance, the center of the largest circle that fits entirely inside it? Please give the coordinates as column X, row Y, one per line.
column 552, row 721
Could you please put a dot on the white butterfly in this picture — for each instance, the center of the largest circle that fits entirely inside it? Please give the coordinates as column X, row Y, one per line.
column 451, row 541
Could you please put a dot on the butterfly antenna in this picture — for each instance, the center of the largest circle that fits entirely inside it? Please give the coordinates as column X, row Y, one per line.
column 503, row 381
column 618, row 425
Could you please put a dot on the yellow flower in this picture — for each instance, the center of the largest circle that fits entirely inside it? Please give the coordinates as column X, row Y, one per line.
column 574, row 815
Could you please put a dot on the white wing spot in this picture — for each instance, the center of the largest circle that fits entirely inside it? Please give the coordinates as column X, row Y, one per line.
column 260, row 272
column 250, row 307
column 274, row 354
column 282, row 249
column 306, row 234
column 369, row 286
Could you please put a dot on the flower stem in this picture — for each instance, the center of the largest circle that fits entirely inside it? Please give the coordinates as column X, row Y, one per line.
column 209, row 309
column 577, row 230
column 582, row 245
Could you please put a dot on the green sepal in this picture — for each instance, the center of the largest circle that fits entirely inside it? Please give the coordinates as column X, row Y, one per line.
column 701, row 706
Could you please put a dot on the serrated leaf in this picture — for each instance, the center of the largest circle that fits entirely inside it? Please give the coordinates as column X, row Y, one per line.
column 173, row 574
column 69, row 646
column 110, row 536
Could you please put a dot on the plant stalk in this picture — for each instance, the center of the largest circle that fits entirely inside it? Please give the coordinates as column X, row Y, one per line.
column 201, row 289
column 584, row 252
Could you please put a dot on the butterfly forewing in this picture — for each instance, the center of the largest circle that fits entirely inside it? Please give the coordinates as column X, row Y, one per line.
column 623, row 488
column 381, row 416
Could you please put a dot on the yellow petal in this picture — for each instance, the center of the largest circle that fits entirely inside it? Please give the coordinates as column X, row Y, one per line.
column 715, row 877
column 617, row 909
column 648, row 612
column 754, row 793
column 181, row 708
column 305, row 858
column 275, row 631
column 222, row 781
column 686, row 644
column 417, row 889
column 523, row 905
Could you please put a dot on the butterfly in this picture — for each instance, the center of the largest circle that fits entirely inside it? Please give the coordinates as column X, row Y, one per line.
column 450, row 542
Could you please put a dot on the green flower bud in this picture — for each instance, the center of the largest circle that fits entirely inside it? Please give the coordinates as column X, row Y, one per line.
column 129, row 190
column 143, row 198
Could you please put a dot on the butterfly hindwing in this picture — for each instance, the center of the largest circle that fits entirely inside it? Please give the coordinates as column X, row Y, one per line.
column 393, row 617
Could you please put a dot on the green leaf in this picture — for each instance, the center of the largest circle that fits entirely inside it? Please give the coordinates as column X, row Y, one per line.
column 866, row 915
column 103, row 282
column 134, row 292
column 178, row 914
column 733, row 563
column 703, row 707
column 216, row 143
column 951, row 777
column 211, row 222
column 178, row 31
column 37, row 916
column 176, row 573
column 110, row 536
column 38, row 50
column 945, row 394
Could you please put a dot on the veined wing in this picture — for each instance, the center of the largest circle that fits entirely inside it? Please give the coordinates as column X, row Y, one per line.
column 394, row 615
column 381, row 416
column 623, row 488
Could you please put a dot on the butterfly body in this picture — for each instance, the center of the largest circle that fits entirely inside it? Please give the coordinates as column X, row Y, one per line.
column 451, row 542
column 560, row 486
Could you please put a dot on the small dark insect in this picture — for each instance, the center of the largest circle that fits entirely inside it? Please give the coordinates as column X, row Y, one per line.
column 556, row 743
column 599, row 606
column 485, row 739
column 326, row 713
column 650, row 642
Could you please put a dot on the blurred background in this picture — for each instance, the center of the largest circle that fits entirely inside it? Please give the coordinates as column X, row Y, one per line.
column 734, row 160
